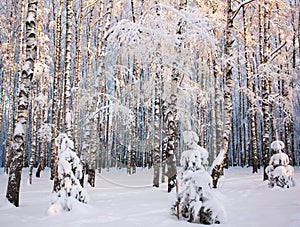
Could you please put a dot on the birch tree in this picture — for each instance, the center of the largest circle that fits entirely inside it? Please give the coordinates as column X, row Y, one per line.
column 56, row 102
column 18, row 144
column 218, row 166
column 157, row 78
column 67, row 108
column 10, row 87
column 251, row 84
column 171, row 115
column 265, row 89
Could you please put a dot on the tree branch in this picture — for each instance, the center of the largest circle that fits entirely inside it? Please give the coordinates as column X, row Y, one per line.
column 274, row 53
column 89, row 5
column 239, row 8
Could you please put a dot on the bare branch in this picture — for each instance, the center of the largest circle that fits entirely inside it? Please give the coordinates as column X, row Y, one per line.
column 274, row 53
column 90, row 4
column 239, row 8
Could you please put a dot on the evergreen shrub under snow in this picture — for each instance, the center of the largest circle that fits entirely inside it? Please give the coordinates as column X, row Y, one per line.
column 196, row 201
column 69, row 174
column 279, row 172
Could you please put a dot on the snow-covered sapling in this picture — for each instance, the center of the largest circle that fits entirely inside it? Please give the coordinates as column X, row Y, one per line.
column 196, row 201
column 69, row 174
column 279, row 172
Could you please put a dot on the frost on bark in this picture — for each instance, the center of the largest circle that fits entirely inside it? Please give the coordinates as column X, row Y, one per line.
column 18, row 143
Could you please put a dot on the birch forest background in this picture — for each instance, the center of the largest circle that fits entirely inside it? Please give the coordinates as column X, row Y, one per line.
column 127, row 80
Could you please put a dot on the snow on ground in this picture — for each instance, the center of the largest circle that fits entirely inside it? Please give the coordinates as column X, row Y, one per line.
column 133, row 202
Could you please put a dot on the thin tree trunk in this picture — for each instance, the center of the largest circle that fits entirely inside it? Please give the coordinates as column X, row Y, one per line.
column 67, row 108
column 34, row 125
column 218, row 104
column 7, row 84
column 134, row 110
column 251, row 90
column 214, row 103
column 156, row 152
column 56, row 102
column 265, row 95
column 172, row 127
column 223, row 154
column 92, row 108
column 77, row 81
column 100, row 84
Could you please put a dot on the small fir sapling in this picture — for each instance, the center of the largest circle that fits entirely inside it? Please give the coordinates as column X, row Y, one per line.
column 69, row 175
column 196, row 201
column 279, row 172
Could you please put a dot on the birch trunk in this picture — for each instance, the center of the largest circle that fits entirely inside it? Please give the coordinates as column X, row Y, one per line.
column 171, row 115
column 217, row 168
column 134, row 110
column 7, row 59
column 218, row 109
column 287, row 121
column 265, row 95
column 34, row 125
column 172, row 127
column 251, row 97
column 56, row 102
column 18, row 146
column 67, row 108
column 36, row 108
column 11, row 115
column 77, row 81
column 156, row 152
column 92, row 108
column 213, row 84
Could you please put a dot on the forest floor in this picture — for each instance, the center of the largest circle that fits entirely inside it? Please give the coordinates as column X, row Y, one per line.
column 119, row 200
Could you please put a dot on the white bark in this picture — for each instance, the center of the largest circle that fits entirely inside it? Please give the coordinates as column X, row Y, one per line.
column 18, row 146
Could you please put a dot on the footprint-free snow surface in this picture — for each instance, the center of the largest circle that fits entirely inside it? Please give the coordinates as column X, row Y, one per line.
column 119, row 200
